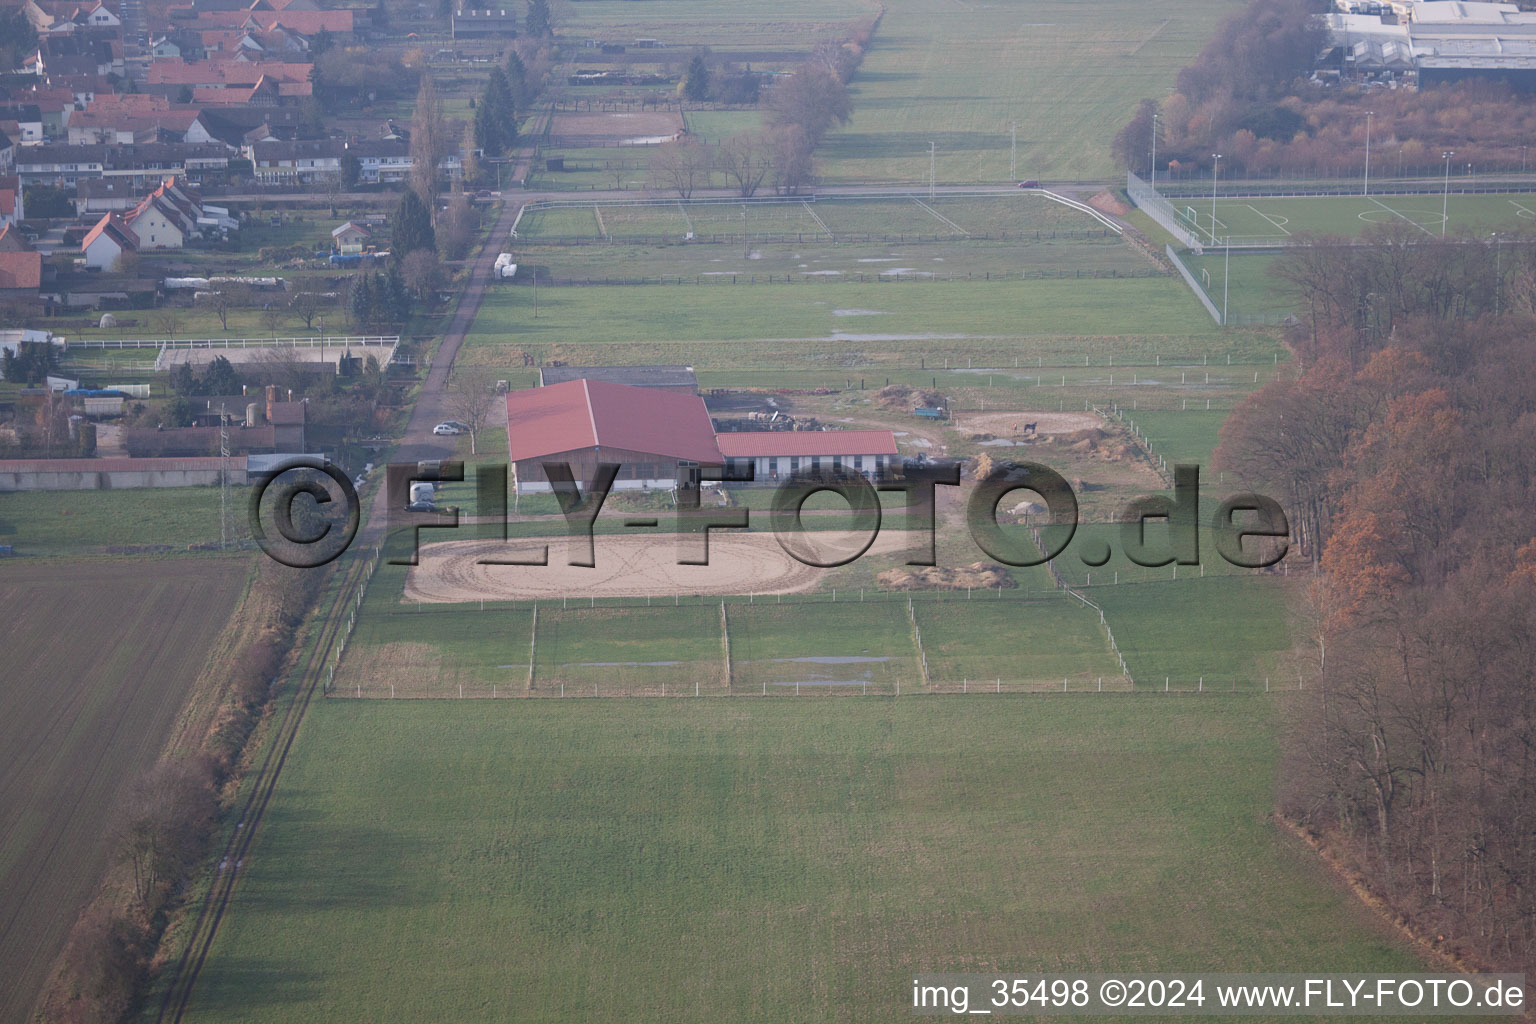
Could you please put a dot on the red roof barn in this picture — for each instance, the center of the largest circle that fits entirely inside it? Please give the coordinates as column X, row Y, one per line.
column 584, row 422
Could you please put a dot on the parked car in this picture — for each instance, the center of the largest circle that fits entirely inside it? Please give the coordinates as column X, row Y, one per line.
column 421, row 506
column 1031, row 183
column 450, row 428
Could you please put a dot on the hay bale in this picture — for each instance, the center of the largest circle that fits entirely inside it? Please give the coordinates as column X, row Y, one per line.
column 976, row 576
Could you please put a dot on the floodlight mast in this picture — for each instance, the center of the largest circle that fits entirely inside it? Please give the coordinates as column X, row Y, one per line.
column 1215, row 176
column 1445, row 194
column 1367, row 188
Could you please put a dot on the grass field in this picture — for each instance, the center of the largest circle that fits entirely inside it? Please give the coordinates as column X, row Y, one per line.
column 680, row 25
column 1275, row 219
column 1000, row 236
column 824, row 219
column 773, row 861
column 89, row 698
column 1251, row 287
column 1229, row 630
column 141, row 520
column 1182, row 436
column 848, row 319
column 958, row 76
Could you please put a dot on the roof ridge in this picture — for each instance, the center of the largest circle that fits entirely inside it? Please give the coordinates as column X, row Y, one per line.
column 586, row 391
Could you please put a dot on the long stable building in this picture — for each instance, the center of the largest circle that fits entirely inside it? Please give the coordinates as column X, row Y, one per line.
column 777, row 454
column 651, row 432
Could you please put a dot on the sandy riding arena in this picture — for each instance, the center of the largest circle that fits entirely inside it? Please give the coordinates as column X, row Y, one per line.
column 626, row 567
column 1012, row 424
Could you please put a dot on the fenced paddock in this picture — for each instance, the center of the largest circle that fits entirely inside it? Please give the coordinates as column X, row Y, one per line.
column 843, row 643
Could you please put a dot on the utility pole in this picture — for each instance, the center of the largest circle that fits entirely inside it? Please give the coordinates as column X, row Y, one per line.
column 930, row 172
column 1368, row 115
column 1013, row 155
column 1154, row 149
column 1445, row 194
column 1215, row 174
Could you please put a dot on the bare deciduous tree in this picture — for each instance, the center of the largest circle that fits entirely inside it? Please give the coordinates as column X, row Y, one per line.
column 307, row 305
column 471, row 398
column 681, row 166
column 746, row 160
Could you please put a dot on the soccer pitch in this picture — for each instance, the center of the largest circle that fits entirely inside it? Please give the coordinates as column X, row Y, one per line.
column 1274, row 220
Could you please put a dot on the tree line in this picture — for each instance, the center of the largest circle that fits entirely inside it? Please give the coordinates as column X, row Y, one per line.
column 1250, row 96
column 1406, row 443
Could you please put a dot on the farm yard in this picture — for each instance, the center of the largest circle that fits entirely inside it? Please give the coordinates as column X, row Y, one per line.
column 86, row 705
column 790, row 860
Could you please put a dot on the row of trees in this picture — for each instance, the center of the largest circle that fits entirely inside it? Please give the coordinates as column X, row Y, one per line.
column 778, row 158
column 1407, row 447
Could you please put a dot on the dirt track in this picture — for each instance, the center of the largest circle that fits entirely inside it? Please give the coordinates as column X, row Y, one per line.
column 626, row 567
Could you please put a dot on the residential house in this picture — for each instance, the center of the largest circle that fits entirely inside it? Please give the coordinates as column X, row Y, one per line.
column 350, row 237
column 297, row 162
column 28, row 118
column 383, row 160
column 12, row 200
column 107, row 242
column 143, row 164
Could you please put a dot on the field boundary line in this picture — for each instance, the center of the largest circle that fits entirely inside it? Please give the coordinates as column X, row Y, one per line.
column 533, row 645
column 602, row 229
column 922, row 655
column 941, row 217
column 725, row 642
column 1097, row 215
column 1405, row 217
column 1267, row 217
column 818, row 220
column 1109, row 634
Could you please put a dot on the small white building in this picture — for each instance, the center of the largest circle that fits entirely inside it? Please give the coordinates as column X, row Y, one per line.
column 350, row 237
